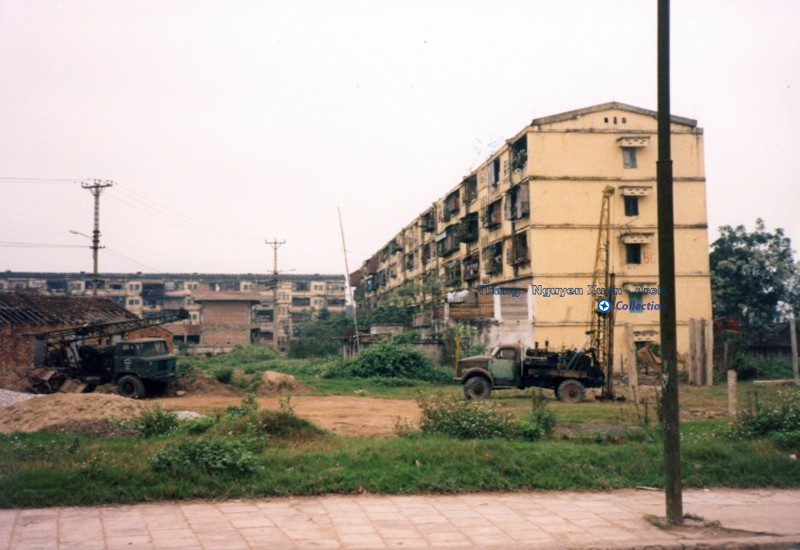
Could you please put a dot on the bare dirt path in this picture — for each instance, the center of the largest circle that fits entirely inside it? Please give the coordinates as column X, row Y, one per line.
column 363, row 416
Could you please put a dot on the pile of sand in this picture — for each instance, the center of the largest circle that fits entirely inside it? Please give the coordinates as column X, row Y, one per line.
column 57, row 409
column 204, row 384
column 278, row 382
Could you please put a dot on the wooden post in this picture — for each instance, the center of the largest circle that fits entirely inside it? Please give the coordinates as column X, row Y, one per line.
column 709, row 352
column 693, row 351
column 731, row 393
column 630, row 354
column 793, row 336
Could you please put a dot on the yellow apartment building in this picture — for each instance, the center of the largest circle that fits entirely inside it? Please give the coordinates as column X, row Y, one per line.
column 515, row 241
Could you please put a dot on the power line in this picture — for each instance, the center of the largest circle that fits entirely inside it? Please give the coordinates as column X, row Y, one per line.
column 39, row 180
column 38, row 245
column 146, row 206
column 131, row 260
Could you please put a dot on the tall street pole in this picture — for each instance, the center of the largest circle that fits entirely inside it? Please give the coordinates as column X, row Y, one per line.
column 275, row 244
column 666, row 277
column 95, row 188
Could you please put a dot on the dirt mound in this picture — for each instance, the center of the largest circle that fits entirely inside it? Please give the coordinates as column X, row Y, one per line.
column 204, row 384
column 278, row 382
column 44, row 412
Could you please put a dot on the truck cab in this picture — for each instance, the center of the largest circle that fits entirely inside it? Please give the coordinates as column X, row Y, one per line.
column 567, row 373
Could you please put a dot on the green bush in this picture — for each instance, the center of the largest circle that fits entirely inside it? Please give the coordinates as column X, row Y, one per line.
column 197, row 426
column 208, row 454
column 388, row 359
column 782, row 415
column 155, row 421
column 749, row 368
column 464, row 419
column 223, row 373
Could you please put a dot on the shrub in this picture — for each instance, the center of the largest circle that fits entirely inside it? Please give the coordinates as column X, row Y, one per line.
column 155, row 421
column 464, row 419
column 762, row 419
column 749, row 368
column 223, row 373
column 208, row 454
column 388, row 359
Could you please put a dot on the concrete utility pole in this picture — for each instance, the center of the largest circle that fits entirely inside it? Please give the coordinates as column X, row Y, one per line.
column 275, row 244
column 95, row 188
column 666, row 277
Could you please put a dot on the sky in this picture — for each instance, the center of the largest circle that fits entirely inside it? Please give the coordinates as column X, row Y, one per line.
column 227, row 123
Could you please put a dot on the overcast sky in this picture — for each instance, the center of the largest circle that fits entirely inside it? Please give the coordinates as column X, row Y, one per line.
column 225, row 122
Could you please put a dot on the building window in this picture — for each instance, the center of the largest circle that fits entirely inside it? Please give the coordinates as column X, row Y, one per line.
column 635, row 302
column 470, row 189
column 631, row 205
column 493, row 215
column 629, row 157
column 472, row 267
column 493, row 258
column 518, row 202
column 633, row 253
column 494, row 171
column 519, row 249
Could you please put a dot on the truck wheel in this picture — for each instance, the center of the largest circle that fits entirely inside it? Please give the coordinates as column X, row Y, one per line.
column 477, row 387
column 130, row 386
column 571, row 391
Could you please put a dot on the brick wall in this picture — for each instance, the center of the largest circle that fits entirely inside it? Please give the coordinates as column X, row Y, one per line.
column 227, row 313
column 16, row 356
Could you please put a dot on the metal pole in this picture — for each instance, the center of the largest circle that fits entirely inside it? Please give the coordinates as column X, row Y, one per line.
column 666, row 277
column 347, row 280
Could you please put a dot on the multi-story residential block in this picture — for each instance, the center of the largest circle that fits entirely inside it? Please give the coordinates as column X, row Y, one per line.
column 528, row 219
column 248, row 303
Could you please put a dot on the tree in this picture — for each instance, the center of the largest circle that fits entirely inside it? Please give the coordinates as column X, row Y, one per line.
column 753, row 275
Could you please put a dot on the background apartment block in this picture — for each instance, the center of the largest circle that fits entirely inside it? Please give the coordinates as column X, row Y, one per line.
column 225, row 310
column 529, row 215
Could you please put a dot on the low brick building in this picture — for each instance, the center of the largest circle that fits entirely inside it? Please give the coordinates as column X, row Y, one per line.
column 22, row 313
column 226, row 320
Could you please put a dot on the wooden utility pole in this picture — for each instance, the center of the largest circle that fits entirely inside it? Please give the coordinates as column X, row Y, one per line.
column 95, row 188
column 666, row 278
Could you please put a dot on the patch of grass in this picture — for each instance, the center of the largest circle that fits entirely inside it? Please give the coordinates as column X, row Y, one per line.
column 422, row 464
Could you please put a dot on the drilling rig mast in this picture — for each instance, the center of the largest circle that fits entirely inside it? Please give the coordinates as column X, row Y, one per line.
column 602, row 324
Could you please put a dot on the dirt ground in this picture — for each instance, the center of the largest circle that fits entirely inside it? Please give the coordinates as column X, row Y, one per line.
column 344, row 415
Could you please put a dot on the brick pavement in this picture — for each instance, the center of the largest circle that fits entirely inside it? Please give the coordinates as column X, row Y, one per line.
column 614, row 519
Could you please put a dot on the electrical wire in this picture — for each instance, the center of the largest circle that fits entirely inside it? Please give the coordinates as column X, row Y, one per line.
column 11, row 179
column 40, row 245
column 179, row 217
column 131, row 260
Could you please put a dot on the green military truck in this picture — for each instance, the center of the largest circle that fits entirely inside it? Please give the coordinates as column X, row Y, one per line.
column 568, row 373
column 65, row 362
column 138, row 367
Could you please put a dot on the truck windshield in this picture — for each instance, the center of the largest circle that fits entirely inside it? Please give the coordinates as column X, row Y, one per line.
column 152, row 348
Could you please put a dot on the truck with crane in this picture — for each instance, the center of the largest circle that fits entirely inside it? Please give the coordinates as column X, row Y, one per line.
column 568, row 373
column 66, row 362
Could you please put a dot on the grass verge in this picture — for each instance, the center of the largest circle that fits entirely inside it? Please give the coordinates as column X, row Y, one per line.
column 44, row 469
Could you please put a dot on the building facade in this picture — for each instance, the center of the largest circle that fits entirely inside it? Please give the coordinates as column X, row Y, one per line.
column 271, row 321
column 515, row 241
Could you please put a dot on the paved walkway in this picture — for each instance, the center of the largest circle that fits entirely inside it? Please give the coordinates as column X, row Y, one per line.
column 615, row 519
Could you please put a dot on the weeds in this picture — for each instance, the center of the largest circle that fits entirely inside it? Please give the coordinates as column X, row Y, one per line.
column 780, row 416
column 208, row 454
column 154, row 421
